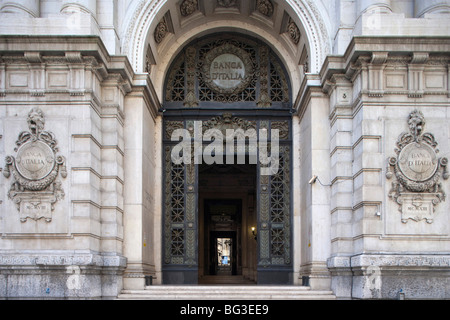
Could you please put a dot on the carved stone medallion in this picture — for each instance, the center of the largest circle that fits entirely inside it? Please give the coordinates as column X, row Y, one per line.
column 35, row 160
column 227, row 69
column 35, row 169
column 417, row 188
column 418, row 162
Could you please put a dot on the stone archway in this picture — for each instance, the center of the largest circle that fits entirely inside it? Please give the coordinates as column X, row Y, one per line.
column 139, row 43
column 143, row 17
column 219, row 118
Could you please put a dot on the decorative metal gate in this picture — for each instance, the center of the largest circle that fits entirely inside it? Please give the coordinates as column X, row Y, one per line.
column 226, row 83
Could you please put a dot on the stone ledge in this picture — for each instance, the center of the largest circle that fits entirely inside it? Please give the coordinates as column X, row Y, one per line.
column 61, row 259
column 390, row 260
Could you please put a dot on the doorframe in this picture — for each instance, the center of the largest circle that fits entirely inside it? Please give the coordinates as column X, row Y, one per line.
column 233, row 235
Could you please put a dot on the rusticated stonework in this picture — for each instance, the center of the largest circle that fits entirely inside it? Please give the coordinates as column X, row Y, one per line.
column 35, row 169
column 417, row 188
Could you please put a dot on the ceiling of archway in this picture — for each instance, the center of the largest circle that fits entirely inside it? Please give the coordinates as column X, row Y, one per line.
column 293, row 29
column 261, row 10
column 260, row 16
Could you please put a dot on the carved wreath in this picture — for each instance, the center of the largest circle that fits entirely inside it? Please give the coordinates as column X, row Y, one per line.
column 248, row 65
column 39, row 148
column 428, row 179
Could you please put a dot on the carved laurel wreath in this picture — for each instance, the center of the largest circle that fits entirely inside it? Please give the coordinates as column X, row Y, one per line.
column 419, row 139
column 36, row 134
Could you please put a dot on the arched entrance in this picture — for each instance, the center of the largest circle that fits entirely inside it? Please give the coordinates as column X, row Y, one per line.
column 227, row 163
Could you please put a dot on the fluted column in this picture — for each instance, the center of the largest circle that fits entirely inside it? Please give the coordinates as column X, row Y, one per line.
column 422, row 7
column 77, row 6
column 29, row 8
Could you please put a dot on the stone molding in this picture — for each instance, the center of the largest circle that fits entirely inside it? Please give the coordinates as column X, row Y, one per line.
column 389, row 260
column 41, row 58
column 57, row 259
column 384, row 70
column 140, row 21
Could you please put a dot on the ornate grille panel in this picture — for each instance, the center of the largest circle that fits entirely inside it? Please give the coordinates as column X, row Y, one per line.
column 274, row 234
column 177, row 193
column 275, row 214
column 278, row 83
column 179, row 210
column 201, row 81
column 175, row 92
column 267, row 85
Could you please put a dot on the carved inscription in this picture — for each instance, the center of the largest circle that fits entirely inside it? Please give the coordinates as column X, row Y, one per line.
column 418, row 162
column 35, row 209
column 417, row 208
column 227, row 71
column 417, row 188
column 35, row 169
column 35, row 160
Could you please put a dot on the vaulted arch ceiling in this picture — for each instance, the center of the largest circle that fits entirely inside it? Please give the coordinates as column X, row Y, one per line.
column 155, row 31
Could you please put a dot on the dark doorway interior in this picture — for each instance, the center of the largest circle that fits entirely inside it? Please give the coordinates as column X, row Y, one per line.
column 227, row 213
column 222, row 225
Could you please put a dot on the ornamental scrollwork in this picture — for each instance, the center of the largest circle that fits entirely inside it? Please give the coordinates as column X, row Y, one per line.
column 35, row 169
column 161, row 31
column 418, row 172
column 227, row 121
column 265, row 7
column 188, row 7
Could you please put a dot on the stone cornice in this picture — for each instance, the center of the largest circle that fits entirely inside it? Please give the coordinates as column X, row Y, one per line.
column 77, row 52
column 381, row 50
column 64, row 49
column 311, row 85
column 142, row 86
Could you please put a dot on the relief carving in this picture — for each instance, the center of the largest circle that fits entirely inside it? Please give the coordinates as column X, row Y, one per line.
column 161, row 31
column 283, row 128
column 417, row 170
column 35, row 169
column 265, row 7
column 294, row 31
column 227, row 69
column 188, row 7
column 227, row 121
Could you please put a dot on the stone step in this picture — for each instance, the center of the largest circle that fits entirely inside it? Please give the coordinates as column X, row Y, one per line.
column 225, row 280
column 227, row 292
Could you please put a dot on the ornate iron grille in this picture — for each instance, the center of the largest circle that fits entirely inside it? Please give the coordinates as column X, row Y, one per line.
column 186, row 84
column 189, row 96
column 177, row 193
column 174, row 235
column 278, row 84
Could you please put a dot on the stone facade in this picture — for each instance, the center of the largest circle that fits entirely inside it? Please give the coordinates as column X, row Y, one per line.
column 82, row 87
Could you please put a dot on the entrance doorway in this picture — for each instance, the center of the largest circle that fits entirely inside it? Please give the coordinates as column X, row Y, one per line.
column 227, row 248
column 257, row 104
